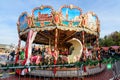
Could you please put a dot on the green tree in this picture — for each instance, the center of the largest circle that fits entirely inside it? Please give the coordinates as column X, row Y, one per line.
column 110, row 40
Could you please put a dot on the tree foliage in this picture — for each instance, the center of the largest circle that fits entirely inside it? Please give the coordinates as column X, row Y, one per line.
column 110, row 40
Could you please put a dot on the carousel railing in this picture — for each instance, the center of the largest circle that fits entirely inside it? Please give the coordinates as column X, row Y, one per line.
column 9, row 73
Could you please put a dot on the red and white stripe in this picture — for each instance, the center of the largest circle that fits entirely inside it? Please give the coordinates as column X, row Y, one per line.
column 28, row 49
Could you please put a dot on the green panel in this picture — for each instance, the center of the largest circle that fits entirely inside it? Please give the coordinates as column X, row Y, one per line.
column 37, row 24
column 46, row 23
column 65, row 22
column 75, row 23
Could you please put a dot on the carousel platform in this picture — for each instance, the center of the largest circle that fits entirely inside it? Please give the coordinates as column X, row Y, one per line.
column 67, row 72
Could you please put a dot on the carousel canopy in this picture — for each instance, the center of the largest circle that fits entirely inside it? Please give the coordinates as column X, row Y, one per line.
column 68, row 20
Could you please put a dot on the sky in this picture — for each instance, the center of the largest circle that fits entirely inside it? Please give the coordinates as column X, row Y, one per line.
column 108, row 12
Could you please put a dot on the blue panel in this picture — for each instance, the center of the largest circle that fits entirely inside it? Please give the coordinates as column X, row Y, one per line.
column 43, row 16
column 72, row 13
column 23, row 26
column 42, row 11
column 23, row 22
column 23, row 18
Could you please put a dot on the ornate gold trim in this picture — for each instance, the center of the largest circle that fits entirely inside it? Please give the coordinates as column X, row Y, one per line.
column 71, row 7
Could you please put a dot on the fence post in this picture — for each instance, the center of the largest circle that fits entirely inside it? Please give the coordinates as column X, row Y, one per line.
column 81, row 71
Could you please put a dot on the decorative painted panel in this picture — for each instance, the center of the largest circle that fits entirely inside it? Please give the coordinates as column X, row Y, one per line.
column 91, row 21
column 23, row 21
column 71, row 15
column 43, row 16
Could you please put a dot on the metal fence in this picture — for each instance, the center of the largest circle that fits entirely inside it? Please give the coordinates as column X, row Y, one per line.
column 116, row 70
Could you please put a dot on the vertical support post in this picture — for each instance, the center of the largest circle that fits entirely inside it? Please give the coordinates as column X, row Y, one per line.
column 49, row 43
column 56, row 38
column 84, row 49
column 98, row 50
column 55, row 50
column 97, row 41
column 83, row 42
column 17, row 56
column 97, row 46
column 28, row 46
column 28, row 50
column 19, row 43
column 83, row 38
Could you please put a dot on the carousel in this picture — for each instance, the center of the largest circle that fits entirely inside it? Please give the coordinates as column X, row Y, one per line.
column 66, row 32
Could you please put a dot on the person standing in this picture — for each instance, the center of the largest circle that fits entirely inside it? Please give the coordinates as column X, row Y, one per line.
column 12, row 54
column 22, row 54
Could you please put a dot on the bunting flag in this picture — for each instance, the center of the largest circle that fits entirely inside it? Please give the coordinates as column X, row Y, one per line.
column 28, row 49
